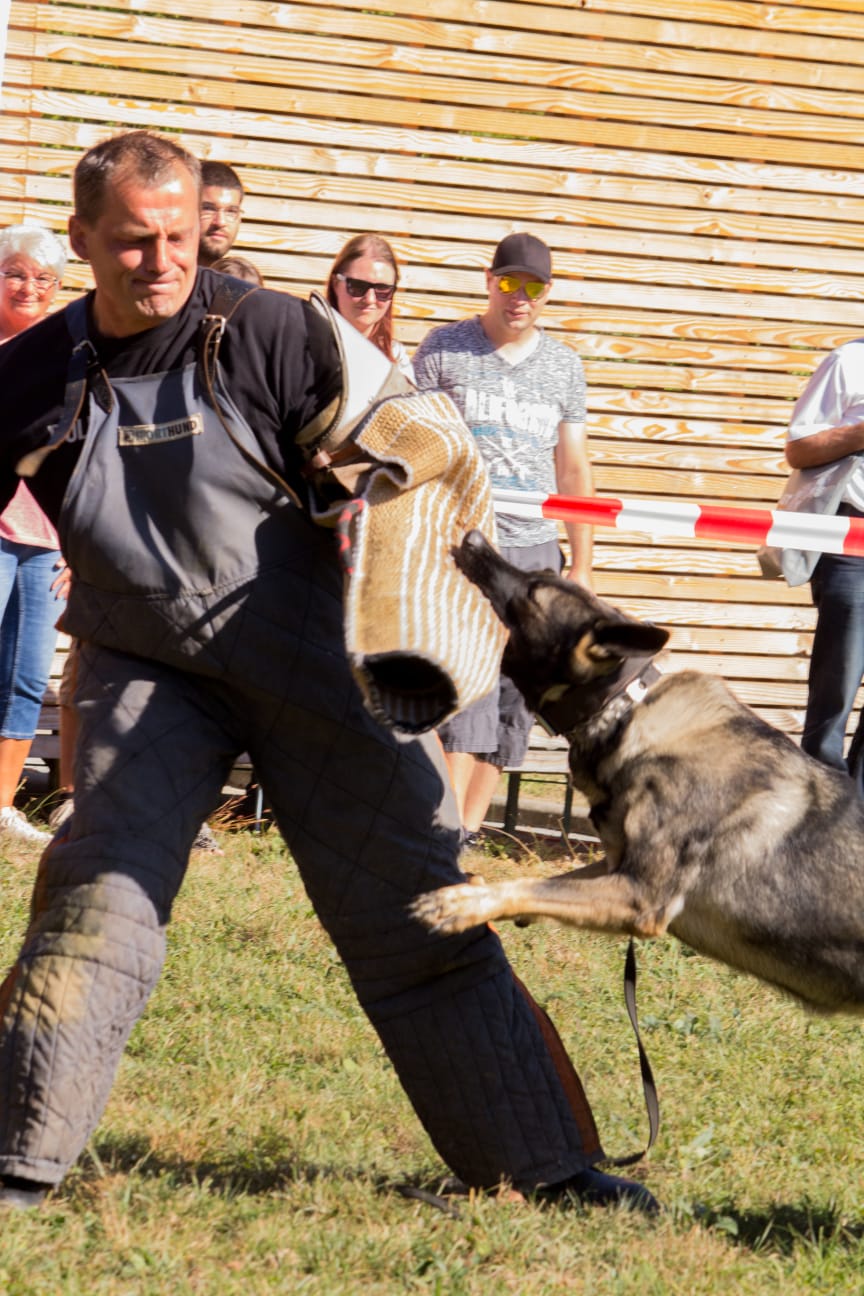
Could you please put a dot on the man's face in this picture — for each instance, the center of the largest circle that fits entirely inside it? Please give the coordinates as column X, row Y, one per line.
column 514, row 312
column 220, row 221
column 142, row 250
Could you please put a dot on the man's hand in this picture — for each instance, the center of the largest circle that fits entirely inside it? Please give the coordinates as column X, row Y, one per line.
column 62, row 582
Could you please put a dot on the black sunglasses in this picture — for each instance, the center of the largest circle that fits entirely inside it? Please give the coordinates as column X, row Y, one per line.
column 360, row 287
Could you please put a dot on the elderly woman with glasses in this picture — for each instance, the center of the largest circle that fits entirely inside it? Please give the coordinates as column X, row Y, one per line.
column 361, row 287
column 32, row 572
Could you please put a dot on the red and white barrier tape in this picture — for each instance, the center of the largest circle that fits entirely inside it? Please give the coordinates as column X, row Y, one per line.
column 754, row 527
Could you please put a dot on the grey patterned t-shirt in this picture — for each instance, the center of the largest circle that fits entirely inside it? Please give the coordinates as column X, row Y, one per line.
column 513, row 410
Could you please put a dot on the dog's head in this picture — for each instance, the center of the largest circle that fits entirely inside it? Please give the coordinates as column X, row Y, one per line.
column 560, row 634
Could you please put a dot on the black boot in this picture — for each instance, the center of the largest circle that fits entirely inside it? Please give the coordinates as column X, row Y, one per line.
column 595, row 1188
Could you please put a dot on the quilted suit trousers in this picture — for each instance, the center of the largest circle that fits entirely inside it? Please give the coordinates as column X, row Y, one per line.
column 370, row 822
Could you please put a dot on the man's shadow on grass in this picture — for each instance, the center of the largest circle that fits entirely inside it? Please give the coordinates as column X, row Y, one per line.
column 264, row 1168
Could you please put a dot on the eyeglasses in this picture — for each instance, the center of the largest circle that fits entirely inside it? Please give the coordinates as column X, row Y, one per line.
column 16, row 280
column 230, row 213
column 360, row 287
column 534, row 288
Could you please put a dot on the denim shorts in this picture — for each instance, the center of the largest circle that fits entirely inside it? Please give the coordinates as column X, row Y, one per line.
column 497, row 729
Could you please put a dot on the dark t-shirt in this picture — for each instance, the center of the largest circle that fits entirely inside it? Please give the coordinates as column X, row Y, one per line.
column 278, row 357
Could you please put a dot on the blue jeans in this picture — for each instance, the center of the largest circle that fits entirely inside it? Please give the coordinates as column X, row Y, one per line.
column 836, row 662
column 27, row 635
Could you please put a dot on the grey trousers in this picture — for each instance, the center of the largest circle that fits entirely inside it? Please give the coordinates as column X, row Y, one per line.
column 370, row 822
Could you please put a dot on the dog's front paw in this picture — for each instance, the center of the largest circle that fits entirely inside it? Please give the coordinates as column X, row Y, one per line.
column 453, row 909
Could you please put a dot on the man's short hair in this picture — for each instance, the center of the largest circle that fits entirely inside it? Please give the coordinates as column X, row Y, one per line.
column 239, row 267
column 221, row 176
column 139, row 155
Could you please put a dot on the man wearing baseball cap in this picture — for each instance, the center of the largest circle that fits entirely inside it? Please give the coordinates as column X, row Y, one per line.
column 522, row 394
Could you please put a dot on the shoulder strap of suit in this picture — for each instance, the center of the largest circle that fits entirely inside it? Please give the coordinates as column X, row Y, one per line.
column 223, row 304
column 84, row 373
column 227, row 297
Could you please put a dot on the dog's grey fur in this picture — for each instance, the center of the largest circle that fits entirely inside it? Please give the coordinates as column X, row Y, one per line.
column 716, row 827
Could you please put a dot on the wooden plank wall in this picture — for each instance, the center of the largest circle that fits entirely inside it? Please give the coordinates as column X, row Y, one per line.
column 698, row 171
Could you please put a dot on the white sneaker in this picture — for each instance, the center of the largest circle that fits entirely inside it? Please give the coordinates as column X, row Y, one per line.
column 15, row 826
column 205, row 841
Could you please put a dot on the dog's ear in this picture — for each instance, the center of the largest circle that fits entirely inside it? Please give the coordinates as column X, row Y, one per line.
column 610, row 641
column 630, row 638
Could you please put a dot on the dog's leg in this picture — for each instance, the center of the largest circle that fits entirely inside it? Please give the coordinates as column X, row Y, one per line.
column 612, row 903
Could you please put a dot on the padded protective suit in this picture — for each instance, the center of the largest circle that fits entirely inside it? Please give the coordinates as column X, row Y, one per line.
column 211, row 614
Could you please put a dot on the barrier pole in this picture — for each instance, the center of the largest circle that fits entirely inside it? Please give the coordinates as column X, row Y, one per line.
column 753, row 527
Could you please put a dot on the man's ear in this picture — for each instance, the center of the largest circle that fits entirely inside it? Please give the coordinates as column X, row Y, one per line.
column 78, row 238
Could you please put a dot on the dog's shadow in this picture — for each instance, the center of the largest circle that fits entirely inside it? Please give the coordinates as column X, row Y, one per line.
column 783, row 1228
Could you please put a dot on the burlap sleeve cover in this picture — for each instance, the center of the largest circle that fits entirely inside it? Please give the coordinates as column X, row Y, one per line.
column 422, row 640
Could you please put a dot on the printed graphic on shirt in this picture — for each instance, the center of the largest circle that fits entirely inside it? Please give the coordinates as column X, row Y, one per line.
column 514, row 411
column 516, row 435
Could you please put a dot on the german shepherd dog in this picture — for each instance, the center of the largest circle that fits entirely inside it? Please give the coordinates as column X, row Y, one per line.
column 716, row 827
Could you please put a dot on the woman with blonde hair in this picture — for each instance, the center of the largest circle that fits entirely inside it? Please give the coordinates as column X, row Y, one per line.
column 361, row 286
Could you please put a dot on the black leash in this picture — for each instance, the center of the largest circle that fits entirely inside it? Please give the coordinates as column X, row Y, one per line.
column 649, row 1088
column 563, row 716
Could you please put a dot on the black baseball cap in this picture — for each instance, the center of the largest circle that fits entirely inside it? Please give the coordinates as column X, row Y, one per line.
column 523, row 254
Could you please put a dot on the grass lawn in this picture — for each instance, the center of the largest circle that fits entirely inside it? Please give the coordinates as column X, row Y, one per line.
column 256, row 1140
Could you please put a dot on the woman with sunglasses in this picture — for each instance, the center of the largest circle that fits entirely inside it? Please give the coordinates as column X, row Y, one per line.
column 32, row 573
column 361, row 287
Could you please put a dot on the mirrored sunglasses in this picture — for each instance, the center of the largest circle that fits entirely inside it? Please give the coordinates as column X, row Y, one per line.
column 360, row 287
column 534, row 288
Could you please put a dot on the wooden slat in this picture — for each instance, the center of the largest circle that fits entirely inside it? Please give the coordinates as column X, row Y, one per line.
column 612, row 555
column 768, row 88
column 563, row 117
column 622, row 42
column 741, row 183
column 732, row 667
column 673, row 611
column 449, row 211
column 734, row 27
column 629, row 200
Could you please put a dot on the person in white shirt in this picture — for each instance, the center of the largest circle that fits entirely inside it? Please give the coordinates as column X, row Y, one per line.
column 828, row 424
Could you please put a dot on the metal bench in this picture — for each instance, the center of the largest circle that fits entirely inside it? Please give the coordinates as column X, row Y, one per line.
column 565, row 813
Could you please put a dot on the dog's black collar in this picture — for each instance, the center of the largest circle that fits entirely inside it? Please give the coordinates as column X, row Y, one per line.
column 577, row 704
